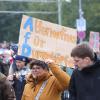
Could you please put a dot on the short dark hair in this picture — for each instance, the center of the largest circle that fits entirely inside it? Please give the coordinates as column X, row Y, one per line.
column 39, row 63
column 83, row 50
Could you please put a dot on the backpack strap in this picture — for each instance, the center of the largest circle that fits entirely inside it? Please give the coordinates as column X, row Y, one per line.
column 41, row 90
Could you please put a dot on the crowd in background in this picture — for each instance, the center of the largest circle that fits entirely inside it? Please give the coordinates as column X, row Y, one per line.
column 23, row 78
column 7, row 52
column 10, row 65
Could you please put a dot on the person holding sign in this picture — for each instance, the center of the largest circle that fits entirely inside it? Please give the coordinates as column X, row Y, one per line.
column 85, row 80
column 45, row 82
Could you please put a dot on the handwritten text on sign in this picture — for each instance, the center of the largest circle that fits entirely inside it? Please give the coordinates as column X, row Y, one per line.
column 41, row 40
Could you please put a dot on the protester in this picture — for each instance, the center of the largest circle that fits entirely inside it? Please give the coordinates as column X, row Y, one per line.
column 18, row 76
column 44, row 85
column 85, row 80
column 6, row 89
column 4, row 61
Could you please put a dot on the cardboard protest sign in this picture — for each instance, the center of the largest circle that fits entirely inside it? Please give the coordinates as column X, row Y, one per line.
column 94, row 41
column 42, row 40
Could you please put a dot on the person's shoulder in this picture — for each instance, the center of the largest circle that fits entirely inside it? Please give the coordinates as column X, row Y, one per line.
column 5, row 82
column 29, row 85
column 52, row 78
column 97, row 63
column 2, row 77
column 75, row 72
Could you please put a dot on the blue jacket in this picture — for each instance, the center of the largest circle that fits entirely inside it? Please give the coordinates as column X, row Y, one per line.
column 20, row 82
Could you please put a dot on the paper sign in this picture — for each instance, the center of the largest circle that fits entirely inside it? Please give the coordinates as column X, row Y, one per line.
column 94, row 41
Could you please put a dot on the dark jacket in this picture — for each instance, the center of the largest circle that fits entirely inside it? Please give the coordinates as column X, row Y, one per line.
column 85, row 84
column 4, row 68
column 20, row 82
column 6, row 90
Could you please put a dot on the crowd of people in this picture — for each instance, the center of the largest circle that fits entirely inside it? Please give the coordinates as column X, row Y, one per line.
column 22, row 78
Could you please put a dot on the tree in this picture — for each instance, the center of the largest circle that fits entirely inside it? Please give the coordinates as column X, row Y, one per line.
column 10, row 22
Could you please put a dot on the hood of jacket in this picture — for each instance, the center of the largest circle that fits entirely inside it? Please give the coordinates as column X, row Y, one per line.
column 92, row 67
column 38, row 80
